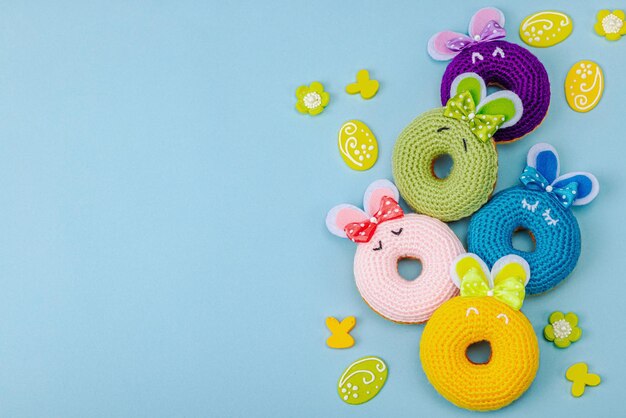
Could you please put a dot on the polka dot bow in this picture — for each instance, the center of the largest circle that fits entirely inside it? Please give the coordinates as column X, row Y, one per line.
column 364, row 231
column 534, row 180
column 463, row 108
column 509, row 290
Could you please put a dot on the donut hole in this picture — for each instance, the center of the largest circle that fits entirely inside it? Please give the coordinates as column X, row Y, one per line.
column 479, row 352
column 523, row 240
column 409, row 268
column 494, row 87
column 442, row 166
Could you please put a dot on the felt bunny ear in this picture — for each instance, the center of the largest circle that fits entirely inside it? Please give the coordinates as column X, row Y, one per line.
column 588, row 186
column 504, row 103
column 466, row 262
column 544, row 158
column 375, row 192
column 342, row 215
column 438, row 45
column 482, row 17
column 510, row 266
column 471, row 82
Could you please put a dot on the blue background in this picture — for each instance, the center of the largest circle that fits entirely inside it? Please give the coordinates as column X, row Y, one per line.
column 162, row 241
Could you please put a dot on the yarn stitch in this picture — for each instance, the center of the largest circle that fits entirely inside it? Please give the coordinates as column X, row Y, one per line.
column 499, row 63
column 554, row 227
column 463, row 321
column 376, row 262
column 471, row 180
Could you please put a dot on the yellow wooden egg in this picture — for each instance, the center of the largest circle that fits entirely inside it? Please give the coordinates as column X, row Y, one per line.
column 584, row 85
column 544, row 29
column 358, row 145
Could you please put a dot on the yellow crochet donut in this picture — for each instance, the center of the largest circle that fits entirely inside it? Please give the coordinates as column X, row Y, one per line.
column 487, row 310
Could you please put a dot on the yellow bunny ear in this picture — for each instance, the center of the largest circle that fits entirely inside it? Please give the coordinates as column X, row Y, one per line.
column 332, row 323
column 348, row 323
column 466, row 262
column 510, row 266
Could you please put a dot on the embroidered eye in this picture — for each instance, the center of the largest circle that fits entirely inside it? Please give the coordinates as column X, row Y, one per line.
column 380, row 246
column 530, row 207
column 503, row 316
column 549, row 219
column 443, row 128
column 471, row 309
column 465, row 144
column 398, row 232
column 498, row 51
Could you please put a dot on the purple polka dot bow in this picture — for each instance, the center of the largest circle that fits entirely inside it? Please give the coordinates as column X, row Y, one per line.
column 534, row 180
column 491, row 32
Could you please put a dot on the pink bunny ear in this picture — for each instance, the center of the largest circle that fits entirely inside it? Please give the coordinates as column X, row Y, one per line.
column 342, row 215
column 438, row 45
column 375, row 192
column 481, row 17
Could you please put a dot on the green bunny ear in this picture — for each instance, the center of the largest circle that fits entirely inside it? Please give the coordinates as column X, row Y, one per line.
column 470, row 82
column 505, row 103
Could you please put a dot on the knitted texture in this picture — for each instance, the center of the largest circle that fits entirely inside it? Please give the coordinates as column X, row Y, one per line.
column 554, row 228
column 512, row 68
column 463, row 321
column 376, row 268
column 471, row 180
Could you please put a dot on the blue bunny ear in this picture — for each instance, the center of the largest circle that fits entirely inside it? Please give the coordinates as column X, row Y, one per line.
column 544, row 158
column 588, row 186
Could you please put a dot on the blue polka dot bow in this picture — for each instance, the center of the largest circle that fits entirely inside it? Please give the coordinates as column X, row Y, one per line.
column 534, row 180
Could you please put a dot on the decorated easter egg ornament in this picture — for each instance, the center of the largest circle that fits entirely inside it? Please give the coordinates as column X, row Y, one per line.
column 357, row 145
column 545, row 29
column 584, row 86
column 364, row 85
column 362, row 380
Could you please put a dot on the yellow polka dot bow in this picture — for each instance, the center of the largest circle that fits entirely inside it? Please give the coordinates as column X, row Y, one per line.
column 463, row 108
column 507, row 289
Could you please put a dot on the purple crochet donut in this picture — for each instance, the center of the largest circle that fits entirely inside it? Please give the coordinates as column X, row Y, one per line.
column 499, row 63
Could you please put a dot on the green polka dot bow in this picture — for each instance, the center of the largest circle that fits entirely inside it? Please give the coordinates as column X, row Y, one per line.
column 482, row 124
column 508, row 289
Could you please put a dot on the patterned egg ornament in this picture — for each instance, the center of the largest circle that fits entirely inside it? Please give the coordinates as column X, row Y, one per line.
column 584, row 86
column 362, row 380
column 357, row 145
column 545, row 29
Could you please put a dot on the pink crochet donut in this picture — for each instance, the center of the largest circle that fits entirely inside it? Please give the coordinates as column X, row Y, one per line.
column 385, row 235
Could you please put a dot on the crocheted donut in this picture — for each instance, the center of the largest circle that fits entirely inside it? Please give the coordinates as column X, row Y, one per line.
column 487, row 310
column 385, row 235
column 542, row 207
column 499, row 63
column 463, row 130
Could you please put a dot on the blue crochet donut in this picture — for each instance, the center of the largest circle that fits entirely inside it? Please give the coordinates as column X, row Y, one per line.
column 541, row 206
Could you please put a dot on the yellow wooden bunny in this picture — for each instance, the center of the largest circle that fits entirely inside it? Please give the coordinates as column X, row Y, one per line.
column 340, row 337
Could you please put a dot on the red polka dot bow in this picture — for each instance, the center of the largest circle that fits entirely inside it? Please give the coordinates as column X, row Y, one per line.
column 364, row 231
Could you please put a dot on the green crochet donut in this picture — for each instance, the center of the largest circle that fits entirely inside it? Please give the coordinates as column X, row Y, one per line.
column 463, row 130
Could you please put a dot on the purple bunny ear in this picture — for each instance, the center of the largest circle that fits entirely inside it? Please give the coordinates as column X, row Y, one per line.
column 438, row 45
column 482, row 17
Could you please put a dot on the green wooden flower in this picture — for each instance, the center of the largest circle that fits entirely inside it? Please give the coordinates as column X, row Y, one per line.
column 312, row 99
column 563, row 329
column 610, row 24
